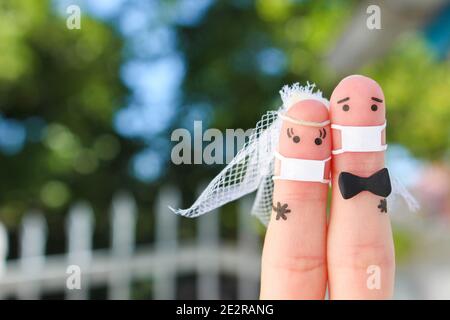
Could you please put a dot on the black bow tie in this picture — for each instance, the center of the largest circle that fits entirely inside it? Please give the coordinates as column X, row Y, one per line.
column 379, row 183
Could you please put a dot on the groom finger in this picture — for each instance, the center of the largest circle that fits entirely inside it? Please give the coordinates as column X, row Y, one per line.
column 361, row 259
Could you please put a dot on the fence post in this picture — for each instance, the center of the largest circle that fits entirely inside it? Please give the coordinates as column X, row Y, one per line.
column 123, row 216
column 166, row 243
column 79, row 230
column 33, row 236
column 248, row 244
column 3, row 249
column 208, row 267
column 3, row 252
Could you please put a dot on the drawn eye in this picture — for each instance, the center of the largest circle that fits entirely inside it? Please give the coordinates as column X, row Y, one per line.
column 322, row 135
column 290, row 133
column 346, row 107
column 374, row 107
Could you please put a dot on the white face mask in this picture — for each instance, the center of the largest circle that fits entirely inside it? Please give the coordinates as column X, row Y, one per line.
column 360, row 139
column 301, row 169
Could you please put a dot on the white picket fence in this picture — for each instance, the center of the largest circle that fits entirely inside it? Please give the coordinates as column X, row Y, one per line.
column 34, row 273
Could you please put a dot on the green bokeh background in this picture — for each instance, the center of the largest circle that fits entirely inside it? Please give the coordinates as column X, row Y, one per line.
column 71, row 80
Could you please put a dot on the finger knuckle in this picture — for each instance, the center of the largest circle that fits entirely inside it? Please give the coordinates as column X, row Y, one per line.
column 364, row 255
column 301, row 263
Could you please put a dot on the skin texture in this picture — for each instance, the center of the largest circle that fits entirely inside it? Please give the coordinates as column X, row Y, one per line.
column 359, row 232
column 294, row 256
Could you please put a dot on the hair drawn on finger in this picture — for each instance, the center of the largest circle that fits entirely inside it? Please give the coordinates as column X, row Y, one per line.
column 383, row 205
column 281, row 211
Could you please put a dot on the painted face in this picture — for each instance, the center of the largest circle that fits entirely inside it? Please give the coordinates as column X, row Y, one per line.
column 306, row 142
column 357, row 101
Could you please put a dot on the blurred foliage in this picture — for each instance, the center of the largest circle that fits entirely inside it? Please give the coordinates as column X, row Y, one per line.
column 416, row 86
column 403, row 243
column 63, row 86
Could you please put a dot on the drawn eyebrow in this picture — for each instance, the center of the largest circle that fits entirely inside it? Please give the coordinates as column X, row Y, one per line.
column 345, row 99
column 290, row 132
column 376, row 99
column 320, row 133
column 324, row 133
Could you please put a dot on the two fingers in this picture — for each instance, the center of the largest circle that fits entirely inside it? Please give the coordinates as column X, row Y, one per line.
column 353, row 253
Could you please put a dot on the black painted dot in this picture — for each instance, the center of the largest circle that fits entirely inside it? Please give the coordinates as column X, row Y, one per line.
column 296, row 139
column 345, row 107
column 318, row 141
column 374, row 107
